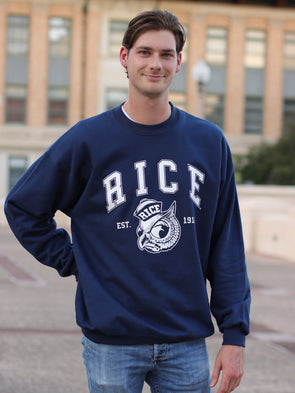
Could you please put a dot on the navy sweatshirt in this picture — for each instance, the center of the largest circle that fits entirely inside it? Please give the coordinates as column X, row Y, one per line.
column 154, row 215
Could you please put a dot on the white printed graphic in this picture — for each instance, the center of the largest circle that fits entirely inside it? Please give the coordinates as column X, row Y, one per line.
column 114, row 187
column 157, row 231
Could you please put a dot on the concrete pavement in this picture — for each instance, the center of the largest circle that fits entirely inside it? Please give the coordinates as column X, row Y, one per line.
column 40, row 350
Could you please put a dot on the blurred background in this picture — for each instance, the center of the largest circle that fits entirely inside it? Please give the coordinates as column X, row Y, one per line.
column 59, row 63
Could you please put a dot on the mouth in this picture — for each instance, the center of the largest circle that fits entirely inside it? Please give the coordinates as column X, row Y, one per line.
column 154, row 77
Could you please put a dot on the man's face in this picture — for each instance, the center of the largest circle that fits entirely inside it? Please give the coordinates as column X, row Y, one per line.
column 151, row 63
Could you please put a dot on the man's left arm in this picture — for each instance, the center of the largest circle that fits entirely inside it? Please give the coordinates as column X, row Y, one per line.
column 229, row 364
column 230, row 290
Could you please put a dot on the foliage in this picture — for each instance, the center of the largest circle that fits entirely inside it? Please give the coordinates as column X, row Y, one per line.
column 271, row 164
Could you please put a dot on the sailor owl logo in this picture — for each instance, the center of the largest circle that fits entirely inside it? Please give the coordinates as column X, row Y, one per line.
column 157, row 231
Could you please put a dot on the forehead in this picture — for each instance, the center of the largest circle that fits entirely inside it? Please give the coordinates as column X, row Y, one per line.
column 157, row 40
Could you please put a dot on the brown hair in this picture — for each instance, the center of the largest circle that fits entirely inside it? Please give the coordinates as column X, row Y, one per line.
column 154, row 20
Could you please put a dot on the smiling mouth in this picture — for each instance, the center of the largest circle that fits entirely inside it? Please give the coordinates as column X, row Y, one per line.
column 156, row 77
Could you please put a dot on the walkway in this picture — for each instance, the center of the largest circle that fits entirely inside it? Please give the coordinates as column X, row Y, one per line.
column 40, row 343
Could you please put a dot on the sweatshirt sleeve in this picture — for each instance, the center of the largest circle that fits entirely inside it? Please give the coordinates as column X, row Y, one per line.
column 227, row 273
column 52, row 183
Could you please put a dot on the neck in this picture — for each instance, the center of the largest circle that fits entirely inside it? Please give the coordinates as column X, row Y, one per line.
column 151, row 111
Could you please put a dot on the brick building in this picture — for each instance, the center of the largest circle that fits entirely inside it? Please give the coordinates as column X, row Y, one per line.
column 60, row 64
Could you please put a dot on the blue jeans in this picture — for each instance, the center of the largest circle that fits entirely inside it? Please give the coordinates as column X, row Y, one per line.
column 167, row 368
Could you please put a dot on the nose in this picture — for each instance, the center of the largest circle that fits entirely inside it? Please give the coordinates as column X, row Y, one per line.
column 155, row 62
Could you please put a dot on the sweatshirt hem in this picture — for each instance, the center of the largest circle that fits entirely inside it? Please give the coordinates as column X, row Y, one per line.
column 120, row 340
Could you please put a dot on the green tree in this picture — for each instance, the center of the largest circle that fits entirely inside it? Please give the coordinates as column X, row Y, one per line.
column 271, row 164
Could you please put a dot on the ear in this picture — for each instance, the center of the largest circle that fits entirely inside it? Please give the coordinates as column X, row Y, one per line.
column 123, row 56
column 172, row 210
column 179, row 59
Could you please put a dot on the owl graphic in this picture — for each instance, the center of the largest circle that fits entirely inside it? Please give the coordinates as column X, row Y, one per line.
column 158, row 231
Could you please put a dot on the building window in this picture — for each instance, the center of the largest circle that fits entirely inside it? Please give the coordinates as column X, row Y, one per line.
column 253, row 115
column 117, row 29
column 16, row 72
column 17, row 167
column 59, row 38
column 289, row 115
column 255, row 49
column 289, row 51
column 216, row 45
column 16, row 97
column 254, row 60
column 289, row 81
column 216, row 57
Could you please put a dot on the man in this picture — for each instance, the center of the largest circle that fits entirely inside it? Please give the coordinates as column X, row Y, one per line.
column 151, row 195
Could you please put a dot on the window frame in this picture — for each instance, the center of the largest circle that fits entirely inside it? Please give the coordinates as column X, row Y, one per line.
column 16, row 91
column 57, row 93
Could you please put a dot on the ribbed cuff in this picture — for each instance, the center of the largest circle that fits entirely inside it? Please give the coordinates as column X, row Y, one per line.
column 234, row 336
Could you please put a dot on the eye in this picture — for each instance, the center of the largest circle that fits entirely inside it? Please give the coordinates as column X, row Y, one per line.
column 144, row 52
column 160, row 230
column 139, row 231
column 168, row 55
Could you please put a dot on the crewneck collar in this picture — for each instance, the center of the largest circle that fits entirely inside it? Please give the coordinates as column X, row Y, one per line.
column 126, row 114
column 145, row 129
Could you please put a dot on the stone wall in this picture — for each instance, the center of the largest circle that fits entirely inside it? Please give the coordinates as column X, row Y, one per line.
column 268, row 216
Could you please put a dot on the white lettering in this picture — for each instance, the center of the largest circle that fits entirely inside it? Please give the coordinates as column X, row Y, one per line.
column 149, row 211
column 115, row 196
column 189, row 220
column 139, row 167
column 114, row 190
column 143, row 216
column 195, row 186
column 155, row 209
column 123, row 225
column 172, row 188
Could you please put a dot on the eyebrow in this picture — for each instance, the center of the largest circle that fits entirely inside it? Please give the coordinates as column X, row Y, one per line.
column 168, row 50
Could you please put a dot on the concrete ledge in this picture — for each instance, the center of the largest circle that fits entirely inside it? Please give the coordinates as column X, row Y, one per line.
column 268, row 216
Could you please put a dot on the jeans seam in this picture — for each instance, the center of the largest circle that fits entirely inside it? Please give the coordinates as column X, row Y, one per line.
column 156, row 383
